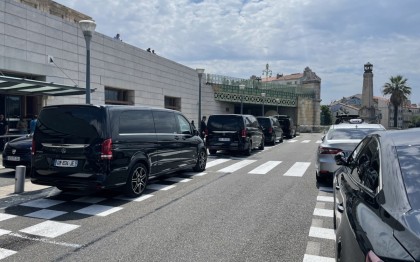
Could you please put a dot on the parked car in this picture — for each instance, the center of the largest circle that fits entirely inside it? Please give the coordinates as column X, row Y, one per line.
column 241, row 133
column 272, row 129
column 377, row 199
column 17, row 152
column 98, row 147
column 342, row 137
column 287, row 124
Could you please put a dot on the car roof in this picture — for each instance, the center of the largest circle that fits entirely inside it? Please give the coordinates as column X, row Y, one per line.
column 404, row 137
column 358, row 125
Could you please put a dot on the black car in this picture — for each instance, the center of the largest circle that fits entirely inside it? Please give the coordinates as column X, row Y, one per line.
column 287, row 124
column 98, row 147
column 240, row 133
column 272, row 129
column 17, row 152
column 377, row 198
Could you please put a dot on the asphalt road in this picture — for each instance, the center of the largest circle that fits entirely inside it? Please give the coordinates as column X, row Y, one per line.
column 265, row 207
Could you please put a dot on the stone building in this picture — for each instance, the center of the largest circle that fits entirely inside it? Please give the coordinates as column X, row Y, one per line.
column 43, row 62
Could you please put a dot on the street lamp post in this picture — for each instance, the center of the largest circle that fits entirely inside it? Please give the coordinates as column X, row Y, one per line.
column 262, row 95
column 200, row 75
column 242, row 87
column 88, row 27
column 277, row 101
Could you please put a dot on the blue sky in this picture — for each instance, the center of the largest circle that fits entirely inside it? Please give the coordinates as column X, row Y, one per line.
column 237, row 38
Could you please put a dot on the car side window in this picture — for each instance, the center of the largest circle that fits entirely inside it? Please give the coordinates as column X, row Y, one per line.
column 165, row 122
column 134, row 122
column 254, row 122
column 367, row 165
column 248, row 122
column 184, row 125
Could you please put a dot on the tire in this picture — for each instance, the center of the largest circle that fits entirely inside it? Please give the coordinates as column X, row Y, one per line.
column 274, row 140
column 261, row 147
column 281, row 139
column 137, row 180
column 201, row 161
column 318, row 178
column 66, row 189
column 212, row 151
column 248, row 151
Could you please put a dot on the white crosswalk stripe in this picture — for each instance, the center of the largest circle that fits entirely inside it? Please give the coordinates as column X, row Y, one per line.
column 216, row 162
column 320, row 232
column 298, row 169
column 236, row 166
column 323, row 212
column 6, row 252
column 265, row 168
column 312, row 258
column 306, row 141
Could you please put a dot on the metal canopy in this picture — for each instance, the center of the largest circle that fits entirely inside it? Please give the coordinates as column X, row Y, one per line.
column 22, row 86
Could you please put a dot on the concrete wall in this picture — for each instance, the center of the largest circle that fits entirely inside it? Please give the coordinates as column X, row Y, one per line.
column 28, row 36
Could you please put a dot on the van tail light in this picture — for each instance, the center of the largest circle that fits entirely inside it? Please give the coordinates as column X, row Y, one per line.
column 270, row 130
column 33, row 147
column 372, row 257
column 328, row 150
column 106, row 150
column 243, row 132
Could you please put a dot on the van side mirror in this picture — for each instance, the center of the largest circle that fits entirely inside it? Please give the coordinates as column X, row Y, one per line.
column 340, row 159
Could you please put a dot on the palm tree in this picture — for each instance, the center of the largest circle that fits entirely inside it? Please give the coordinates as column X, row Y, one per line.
column 399, row 93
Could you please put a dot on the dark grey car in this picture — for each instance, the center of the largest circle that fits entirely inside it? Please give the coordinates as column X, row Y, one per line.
column 241, row 133
column 272, row 129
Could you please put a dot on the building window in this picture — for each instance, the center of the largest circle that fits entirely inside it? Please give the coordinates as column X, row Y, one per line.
column 173, row 103
column 114, row 96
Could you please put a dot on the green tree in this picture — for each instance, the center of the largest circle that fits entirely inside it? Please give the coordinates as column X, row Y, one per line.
column 326, row 118
column 399, row 93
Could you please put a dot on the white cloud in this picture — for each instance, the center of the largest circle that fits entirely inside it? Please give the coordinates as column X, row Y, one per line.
column 238, row 37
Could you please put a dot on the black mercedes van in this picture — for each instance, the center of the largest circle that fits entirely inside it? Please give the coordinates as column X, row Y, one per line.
column 98, row 147
column 241, row 133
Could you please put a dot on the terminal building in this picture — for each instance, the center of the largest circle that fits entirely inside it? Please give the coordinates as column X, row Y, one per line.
column 43, row 62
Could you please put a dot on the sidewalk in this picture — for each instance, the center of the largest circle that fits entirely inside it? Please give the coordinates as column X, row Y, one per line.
column 7, row 183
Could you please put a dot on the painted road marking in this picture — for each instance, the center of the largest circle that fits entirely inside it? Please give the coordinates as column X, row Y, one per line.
column 306, row 141
column 42, row 203
column 90, row 200
column 98, row 210
column 160, row 187
column 178, row 179
column 216, row 162
column 319, row 232
column 312, row 258
column 298, row 169
column 6, row 216
column 265, row 168
column 236, row 166
column 45, row 214
column 137, row 199
column 6, row 252
column 323, row 212
column 325, row 198
column 49, row 229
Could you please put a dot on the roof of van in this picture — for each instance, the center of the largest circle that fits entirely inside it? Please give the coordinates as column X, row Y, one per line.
column 112, row 106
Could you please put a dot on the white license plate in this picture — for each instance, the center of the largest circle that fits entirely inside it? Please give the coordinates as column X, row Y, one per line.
column 224, row 139
column 65, row 163
column 13, row 158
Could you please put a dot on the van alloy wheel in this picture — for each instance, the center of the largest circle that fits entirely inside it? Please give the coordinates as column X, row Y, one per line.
column 137, row 180
column 201, row 161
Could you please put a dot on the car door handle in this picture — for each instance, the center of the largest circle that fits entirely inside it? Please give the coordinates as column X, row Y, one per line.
column 337, row 187
column 340, row 208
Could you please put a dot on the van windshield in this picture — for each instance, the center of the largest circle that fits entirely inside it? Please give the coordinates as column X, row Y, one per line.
column 224, row 123
column 70, row 125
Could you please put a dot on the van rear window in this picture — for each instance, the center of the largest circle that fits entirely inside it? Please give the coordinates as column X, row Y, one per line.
column 71, row 125
column 225, row 123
